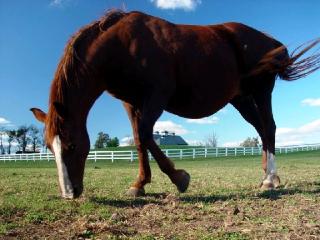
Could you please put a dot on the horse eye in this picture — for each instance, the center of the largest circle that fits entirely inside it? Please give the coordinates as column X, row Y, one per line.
column 71, row 147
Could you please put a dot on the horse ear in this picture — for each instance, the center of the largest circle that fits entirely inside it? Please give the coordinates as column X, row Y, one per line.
column 39, row 114
column 61, row 110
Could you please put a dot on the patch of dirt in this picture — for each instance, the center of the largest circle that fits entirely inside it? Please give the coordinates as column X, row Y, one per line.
column 168, row 216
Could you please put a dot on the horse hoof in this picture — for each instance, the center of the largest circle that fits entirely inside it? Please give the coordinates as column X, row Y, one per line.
column 181, row 179
column 136, row 192
column 267, row 186
column 276, row 181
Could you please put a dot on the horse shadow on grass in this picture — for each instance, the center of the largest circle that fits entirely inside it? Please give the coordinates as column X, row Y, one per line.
column 150, row 198
column 160, row 198
column 267, row 194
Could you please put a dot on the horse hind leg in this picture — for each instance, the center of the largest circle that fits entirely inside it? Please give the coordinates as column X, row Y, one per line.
column 263, row 102
column 248, row 108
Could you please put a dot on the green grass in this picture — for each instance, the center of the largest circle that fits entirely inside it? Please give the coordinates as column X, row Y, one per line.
column 30, row 205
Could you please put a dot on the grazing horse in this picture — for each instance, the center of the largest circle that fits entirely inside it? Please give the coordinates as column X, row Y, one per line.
column 152, row 65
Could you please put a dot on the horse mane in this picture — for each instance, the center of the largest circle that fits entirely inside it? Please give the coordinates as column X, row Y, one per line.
column 72, row 69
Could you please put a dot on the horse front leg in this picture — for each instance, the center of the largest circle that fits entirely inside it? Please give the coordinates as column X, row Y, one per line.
column 144, row 177
column 151, row 111
column 179, row 177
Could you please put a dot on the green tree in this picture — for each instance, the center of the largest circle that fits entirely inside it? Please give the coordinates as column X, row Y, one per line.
column 2, row 133
column 43, row 142
column 11, row 136
column 113, row 142
column 22, row 138
column 102, row 140
column 35, row 137
column 250, row 142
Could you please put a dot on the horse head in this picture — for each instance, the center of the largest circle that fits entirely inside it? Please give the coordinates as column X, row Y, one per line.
column 68, row 140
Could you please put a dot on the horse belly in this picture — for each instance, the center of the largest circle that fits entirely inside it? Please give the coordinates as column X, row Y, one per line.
column 198, row 103
column 205, row 87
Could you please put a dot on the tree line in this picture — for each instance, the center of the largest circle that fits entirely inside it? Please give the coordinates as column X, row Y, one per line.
column 26, row 138
column 30, row 138
column 104, row 140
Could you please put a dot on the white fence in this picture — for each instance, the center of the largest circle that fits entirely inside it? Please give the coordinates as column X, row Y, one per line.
column 132, row 155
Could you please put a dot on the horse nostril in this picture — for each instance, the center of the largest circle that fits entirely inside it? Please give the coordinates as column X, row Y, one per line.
column 77, row 190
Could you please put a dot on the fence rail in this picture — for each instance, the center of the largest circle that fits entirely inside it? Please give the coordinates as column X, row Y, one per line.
column 132, row 155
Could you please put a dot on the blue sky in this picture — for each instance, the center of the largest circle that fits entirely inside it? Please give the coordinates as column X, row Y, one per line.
column 34, row 33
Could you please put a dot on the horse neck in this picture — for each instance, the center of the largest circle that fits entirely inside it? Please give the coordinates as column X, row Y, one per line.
column 78, row 98
column 87, row 95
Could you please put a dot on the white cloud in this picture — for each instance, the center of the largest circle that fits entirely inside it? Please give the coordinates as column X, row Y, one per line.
column 126, row 141
column 206, row 120
column 56, row 3
column 313, row 102
column 4, row 121
column 60, row 3
column 169, row 126
column 307, row 133
column 176, row 4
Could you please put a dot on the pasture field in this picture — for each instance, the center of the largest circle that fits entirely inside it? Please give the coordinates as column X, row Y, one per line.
column 223, row 201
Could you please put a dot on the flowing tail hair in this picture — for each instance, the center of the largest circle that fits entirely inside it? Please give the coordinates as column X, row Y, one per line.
column 289, row 67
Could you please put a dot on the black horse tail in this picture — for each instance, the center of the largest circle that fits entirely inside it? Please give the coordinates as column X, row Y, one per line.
column 289, row 67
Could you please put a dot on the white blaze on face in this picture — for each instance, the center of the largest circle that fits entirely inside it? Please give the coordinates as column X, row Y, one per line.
column 64, row 181
column 271, row 168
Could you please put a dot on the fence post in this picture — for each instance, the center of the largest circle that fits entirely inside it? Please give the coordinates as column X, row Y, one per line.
column 131, row 156
column 217, row 151
column 205, row 152
column 95, row 156
column 181, row 154
column 112, row 156
column 235, row 151
column 226, row 150
column 167, row 152
column 193, row 153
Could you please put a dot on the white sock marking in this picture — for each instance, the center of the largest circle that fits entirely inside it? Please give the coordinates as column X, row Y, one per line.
column 64, row 181
column 271, row 168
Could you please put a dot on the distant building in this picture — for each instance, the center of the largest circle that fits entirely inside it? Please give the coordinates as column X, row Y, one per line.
column 167, row 138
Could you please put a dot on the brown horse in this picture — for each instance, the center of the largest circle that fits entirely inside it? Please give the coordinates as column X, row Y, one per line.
column 152, row 65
